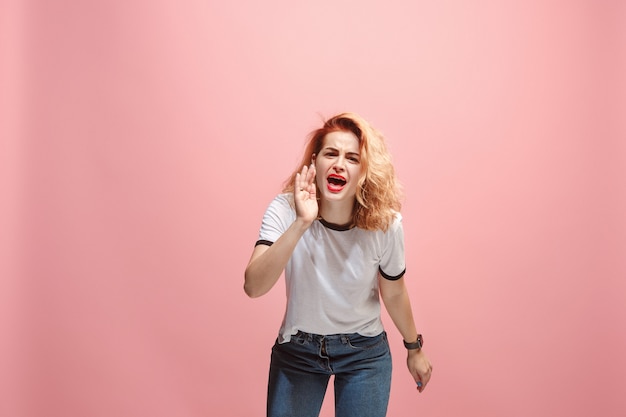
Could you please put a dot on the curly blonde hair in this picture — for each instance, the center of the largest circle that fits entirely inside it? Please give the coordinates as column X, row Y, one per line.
column 378, row 193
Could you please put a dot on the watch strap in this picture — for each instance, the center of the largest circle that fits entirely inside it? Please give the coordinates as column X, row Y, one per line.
column 414, row 345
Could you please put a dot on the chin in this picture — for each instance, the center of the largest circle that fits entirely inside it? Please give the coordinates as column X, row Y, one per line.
column 340, row 196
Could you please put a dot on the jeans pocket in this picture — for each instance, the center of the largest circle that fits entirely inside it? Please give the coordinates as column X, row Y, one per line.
column 359, row 342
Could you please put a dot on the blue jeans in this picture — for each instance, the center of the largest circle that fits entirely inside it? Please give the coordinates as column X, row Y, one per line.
column 300, row 370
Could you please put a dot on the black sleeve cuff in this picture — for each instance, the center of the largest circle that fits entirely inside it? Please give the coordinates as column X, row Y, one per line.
column 263, row 242
column 392, row 277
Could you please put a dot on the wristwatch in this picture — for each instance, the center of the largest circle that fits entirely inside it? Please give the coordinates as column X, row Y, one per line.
column 417, row 345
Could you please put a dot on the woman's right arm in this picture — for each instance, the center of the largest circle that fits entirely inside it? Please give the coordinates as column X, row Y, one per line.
column 268, row 262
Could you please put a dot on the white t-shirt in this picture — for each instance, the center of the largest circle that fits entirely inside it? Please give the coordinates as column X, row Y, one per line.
column 332, row 275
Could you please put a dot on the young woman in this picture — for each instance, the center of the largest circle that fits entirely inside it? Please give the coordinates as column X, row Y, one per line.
column 336, row 232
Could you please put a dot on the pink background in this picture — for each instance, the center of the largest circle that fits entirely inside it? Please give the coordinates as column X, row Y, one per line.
column 142, row 141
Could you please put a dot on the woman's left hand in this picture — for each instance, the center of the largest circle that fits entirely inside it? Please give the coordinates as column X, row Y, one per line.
column 419, row 367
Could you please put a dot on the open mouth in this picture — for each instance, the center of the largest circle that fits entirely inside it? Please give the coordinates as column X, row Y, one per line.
column 336, row 182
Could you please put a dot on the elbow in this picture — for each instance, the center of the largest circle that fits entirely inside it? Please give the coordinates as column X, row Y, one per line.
column 251, row 290
column 247, row 288
column 392, row 296
column 387, row 300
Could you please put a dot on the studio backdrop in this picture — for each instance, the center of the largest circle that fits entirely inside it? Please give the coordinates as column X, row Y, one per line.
column 142, row 141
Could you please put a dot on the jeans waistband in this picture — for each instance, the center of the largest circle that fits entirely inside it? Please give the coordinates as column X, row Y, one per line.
column 343, row 337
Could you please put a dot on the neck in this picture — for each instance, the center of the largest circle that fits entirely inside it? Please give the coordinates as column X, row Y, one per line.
column 339, row 213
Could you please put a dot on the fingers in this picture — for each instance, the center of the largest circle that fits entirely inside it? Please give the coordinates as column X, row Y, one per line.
column 421, row 369
column 300, row 182
column 421, row 385
column 305, row 180
column 310, row 178
column 423, row 378
column 304, row 194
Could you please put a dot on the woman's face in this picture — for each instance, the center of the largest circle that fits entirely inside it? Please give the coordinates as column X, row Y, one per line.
column 338, row 166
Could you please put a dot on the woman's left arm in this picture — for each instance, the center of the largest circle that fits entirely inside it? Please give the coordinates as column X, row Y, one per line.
column 396, row 299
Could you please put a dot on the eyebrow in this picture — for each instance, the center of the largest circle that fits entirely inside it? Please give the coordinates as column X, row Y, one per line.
column 330, row 148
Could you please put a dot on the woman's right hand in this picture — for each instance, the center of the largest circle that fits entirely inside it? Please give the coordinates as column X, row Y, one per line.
column 305, row 195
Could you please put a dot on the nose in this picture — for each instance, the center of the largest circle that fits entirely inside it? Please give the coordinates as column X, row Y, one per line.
column 340, row 163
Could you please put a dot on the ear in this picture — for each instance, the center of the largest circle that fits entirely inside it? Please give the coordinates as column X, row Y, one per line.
column 313, row 159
